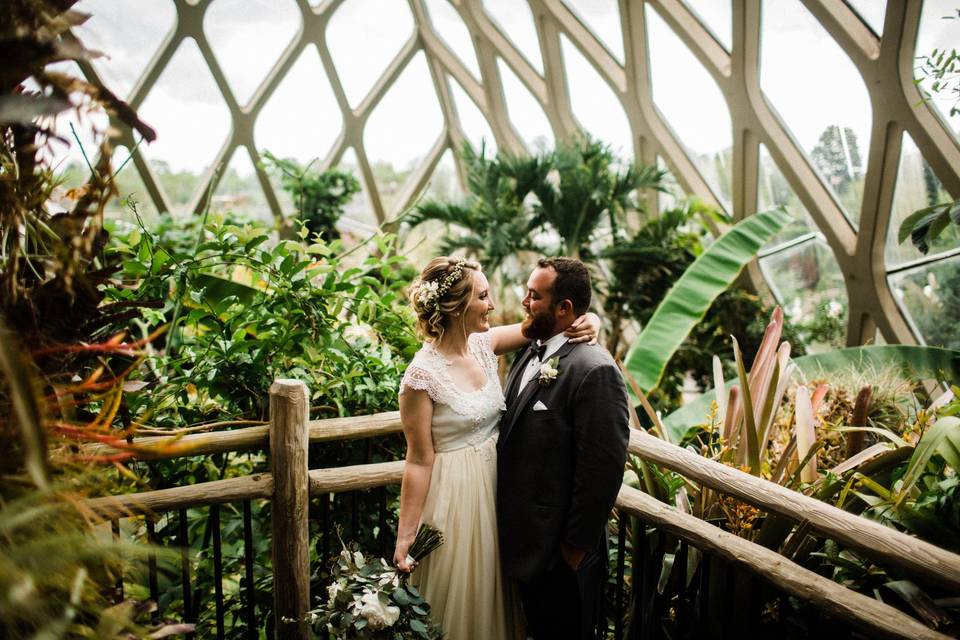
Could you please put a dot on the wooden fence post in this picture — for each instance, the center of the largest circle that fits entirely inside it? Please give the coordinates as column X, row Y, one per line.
column 289, row 408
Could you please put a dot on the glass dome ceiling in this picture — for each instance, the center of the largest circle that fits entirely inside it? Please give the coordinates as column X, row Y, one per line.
column 810, row 105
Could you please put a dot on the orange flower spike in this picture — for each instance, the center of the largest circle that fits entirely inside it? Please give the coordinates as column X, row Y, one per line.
column 117, row 338
column 124, row 471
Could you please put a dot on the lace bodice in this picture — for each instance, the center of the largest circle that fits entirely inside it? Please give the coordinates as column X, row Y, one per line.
column 460, row 418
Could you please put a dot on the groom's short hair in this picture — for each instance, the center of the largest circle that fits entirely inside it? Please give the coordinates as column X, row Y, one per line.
column 572, row 283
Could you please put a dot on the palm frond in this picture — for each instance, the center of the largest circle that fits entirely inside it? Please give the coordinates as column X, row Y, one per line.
column 447, row 212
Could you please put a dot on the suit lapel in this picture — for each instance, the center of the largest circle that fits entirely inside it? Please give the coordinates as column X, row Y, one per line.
column 516, row 407
column 516, row 373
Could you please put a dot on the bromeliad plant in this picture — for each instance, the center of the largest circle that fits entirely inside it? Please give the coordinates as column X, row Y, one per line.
column 871, row 452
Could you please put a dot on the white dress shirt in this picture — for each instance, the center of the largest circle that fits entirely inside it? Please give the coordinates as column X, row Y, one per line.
column 533, row 367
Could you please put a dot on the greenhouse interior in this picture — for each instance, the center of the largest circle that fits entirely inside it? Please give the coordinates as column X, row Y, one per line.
column 470, row 319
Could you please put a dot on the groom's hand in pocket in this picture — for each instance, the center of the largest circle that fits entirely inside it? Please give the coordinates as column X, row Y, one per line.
column 571, row 555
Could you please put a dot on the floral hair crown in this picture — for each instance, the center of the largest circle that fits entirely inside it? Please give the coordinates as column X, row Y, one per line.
column 430, row 292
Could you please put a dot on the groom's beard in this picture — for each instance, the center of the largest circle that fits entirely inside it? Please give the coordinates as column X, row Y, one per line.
column 540, row 326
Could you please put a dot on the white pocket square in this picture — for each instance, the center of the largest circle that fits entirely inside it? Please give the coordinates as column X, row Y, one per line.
column 539, row 406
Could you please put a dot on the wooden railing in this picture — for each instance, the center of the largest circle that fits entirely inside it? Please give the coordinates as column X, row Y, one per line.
column 290, row 484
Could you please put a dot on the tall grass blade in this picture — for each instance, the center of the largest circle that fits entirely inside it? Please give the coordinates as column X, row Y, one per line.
column 26, row 410
column 718, row 386
column 929, row 444
column 750, row 423
column 806, row 434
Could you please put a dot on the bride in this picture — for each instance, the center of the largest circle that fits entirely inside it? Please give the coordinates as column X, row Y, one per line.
column 450, row 404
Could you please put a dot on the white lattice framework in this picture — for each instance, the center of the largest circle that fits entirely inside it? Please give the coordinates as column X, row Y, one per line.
column 885, row 64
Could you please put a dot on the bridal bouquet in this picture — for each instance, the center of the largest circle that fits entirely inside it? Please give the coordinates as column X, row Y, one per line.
column 371, row 600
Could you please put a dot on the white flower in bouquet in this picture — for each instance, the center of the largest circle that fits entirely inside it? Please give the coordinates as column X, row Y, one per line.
column 335, row 589
column 378, row 613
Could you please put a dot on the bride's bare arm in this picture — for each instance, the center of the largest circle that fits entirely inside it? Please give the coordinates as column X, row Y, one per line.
column 508, row 337
column 416, row 415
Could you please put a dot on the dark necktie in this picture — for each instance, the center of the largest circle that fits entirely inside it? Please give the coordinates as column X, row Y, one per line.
column 540, row 350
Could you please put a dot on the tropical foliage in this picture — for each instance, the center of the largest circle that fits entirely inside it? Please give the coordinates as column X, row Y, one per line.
column 493, row 223
column 242, row 308
column 694, row 292
column 318, row 196
column 937, row 73
column 852, row 431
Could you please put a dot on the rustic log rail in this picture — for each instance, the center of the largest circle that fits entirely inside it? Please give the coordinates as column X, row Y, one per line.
column 289, row 432
column 879, row 542
column 867, row 614
column 253, row 438
column 252, row 487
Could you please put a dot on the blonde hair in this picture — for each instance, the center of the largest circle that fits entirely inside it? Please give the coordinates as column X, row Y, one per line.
column 444, row 289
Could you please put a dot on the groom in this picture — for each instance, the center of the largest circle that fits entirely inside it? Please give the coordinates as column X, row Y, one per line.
column 561, row 451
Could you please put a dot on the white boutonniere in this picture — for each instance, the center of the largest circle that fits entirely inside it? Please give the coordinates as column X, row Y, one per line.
column 548, row 371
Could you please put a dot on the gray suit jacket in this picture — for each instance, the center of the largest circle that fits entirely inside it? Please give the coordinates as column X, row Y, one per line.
column 559, row 469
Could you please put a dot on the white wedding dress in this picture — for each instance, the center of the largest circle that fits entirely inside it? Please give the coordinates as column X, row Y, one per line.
column 461, row 580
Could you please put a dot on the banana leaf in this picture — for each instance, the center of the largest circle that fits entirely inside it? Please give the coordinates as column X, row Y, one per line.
column 917, row 362
column 692, row 294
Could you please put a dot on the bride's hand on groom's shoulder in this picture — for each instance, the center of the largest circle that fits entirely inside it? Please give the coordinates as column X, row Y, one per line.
column 585, row 328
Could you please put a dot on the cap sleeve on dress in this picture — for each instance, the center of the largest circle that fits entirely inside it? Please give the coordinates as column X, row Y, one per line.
column 419, row 379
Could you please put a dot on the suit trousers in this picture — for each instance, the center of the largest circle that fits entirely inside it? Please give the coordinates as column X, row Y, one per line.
column 563, row 603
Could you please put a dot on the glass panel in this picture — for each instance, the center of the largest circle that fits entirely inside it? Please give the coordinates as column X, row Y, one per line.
column 364, row 36
column 937, row 33
column 131, row 38
column 594, row 104
column 301, row 119
column 449, row 25
column 807, row 282
column 65, row 152
column 603, row 19
column 472, row 121
column 247, row 38
column 917, row 188
column 834, row 128
column 774, row 190
column 871, row 12
column 239, row 190
column 192, row 123
column 420, row 242
column 402, row 129
column 358, row 214
column 444, row 184
column 525, row 112
column 691, row 102
column 516, row 22
column 931, row 296
column 668, row 199
column 717, row 16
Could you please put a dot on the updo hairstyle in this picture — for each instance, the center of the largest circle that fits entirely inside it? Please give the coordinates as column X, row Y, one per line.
column 443, row 290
